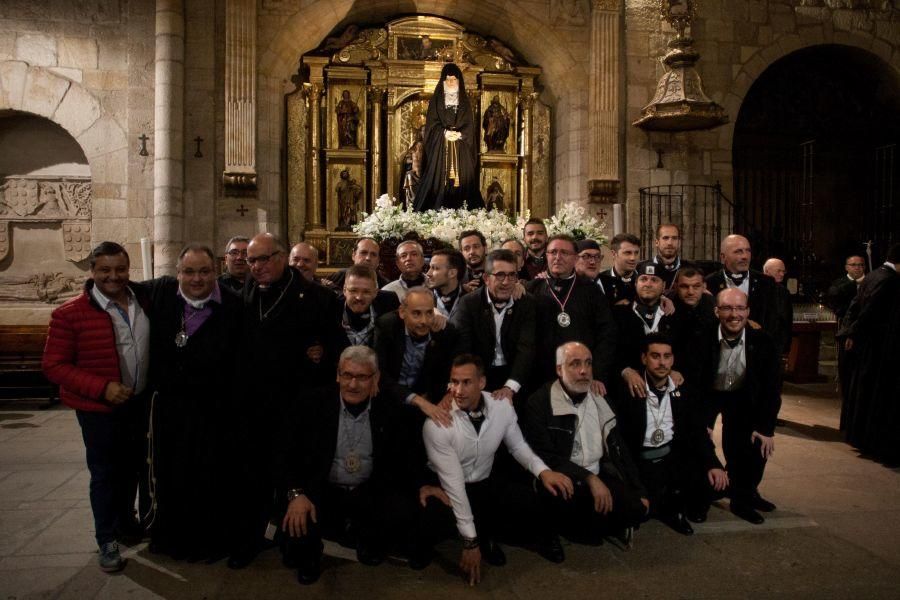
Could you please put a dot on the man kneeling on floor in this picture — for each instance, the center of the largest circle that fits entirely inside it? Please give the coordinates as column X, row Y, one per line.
column 462, row 456
column 341, row 468
column 667, row 436
column 575, row 431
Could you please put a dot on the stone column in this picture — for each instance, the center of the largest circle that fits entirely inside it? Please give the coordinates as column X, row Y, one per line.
column 168, row 155
column 603, row 185
column 240, row 95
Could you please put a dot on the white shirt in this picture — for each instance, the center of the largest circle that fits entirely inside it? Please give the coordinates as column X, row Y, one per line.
column 132, row 338
column 399, row 287
column 732, row 364
column 459, row 455
column 499, row 358
column 745, row 284
column 659, row 415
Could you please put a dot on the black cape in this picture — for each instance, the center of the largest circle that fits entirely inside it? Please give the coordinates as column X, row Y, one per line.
column 435, row 191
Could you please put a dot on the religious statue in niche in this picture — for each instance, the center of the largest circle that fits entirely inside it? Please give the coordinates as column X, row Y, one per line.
column 412, row 171
column 496, row 126
column 449, row 172
column 422, row 48
column 348, row 121
column 495, row 196
column 349, row 194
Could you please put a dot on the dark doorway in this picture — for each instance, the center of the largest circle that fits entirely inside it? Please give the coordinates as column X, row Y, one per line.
column 815, row 172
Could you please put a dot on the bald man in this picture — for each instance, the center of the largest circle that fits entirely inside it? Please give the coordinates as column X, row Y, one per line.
column 305, row 258
column 741, row 382
column 765, row 312
column 774, row 268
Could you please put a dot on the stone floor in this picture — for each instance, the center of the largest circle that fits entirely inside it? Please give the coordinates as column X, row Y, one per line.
column 835, row 535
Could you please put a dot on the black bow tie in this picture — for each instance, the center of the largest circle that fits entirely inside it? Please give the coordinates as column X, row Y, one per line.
column 737, row 278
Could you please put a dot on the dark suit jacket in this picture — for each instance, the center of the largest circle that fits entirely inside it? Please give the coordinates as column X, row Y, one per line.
column 773, row 315
column 390, row 344
column 474, row 322
column 308, row 442
column 630, row 335
column 552, row 437
column 691, row 443
column 592, row 325
column 760, row 395
column 840, row 294
column 384, row 303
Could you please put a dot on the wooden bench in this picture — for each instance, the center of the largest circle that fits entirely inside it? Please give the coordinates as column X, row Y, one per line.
column 21, row 377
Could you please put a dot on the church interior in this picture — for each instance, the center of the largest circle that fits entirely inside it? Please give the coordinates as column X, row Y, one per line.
column 155, row 123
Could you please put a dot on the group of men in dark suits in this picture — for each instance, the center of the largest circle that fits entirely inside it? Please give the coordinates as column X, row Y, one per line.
column 374, row 414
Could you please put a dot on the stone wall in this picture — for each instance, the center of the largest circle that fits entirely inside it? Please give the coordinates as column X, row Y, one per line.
column 737, row 41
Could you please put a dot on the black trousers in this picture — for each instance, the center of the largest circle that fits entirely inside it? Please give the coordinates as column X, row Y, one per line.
column 577, row 520
column 675, row 484
column 744, row 461
column 374, row 516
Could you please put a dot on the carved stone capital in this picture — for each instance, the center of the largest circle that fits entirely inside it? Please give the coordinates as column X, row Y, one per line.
column 239, row 182
column 603, row 190
column 607, row 5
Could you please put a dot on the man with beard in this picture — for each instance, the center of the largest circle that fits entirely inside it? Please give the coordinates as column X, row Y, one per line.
column 637, row 319
column 765, row 312
column 589, row 259
column 462, row 457
column 498, row 328
column 668, row 247
column 473, row 247
column 570, row 308
column 362, row 304
column 293, row 338
column 618, row 280
column 411, row 262
column 742, row 384
column 449, row 175
column 366, row 252
column 442, row 278
column 574, row 431
column 666, row 435
column 196, row 329
column 535, row 234
column 342, row 469
column 236, row 268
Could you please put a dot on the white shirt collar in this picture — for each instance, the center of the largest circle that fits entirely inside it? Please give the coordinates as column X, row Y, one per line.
column 105, row 301
column 743, row 334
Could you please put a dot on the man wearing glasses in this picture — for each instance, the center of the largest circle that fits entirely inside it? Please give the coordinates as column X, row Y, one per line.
column 236, row 267
column 570, row 309
column 589, row 260
column 293, row 338
column 341, row 469
column 742, row 381
column 498, row 328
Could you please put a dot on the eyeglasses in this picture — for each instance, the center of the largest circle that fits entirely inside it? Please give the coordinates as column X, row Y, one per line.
column 511, row 276
column 360, row 377
column 560, row 252
column 261, row 259
column 590, row 257
column 236, row 252
column 732, row 309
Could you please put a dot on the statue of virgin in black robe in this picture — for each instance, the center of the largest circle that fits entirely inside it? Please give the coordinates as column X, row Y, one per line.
column 449, row 175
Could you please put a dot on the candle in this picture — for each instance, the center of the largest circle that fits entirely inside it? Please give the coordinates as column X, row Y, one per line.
column 146, row 258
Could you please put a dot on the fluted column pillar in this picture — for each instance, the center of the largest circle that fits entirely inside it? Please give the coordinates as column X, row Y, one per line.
column 240, row 95
column 377, row 95
column 603, row 183
column 168, row 155
column 314, row 189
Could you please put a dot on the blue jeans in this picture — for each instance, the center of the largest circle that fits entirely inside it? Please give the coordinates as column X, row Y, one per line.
column 115, row 448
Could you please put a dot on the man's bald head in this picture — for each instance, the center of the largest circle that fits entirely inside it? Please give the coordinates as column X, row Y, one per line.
column 305, row 258
column 734, row 253
column 775, row 269
column 732, row 311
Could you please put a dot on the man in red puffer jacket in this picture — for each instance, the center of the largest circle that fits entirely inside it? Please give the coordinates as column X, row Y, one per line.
column 98, row 352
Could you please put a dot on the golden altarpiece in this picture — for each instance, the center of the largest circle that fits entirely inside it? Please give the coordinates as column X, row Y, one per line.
column 354, row 122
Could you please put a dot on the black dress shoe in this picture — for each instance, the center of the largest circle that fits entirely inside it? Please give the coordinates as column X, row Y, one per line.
column 697, row 515
column 679, row 523
column 761, row 504
column 368, row 556
column 493, row 554
column 308, row 572
column 746, row 513
column 552, row 550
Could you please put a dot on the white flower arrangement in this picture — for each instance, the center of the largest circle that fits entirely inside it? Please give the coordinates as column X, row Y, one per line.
column 389, row 220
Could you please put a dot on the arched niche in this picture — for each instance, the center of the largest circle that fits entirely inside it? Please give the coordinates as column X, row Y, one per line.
column 45, row 210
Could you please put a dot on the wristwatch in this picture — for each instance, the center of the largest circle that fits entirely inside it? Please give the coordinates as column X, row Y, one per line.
column 470, row 543
column 293, row 493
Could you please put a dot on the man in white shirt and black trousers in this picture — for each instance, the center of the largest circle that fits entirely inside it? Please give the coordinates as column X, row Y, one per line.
column 462, row 456
column 666, row 435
